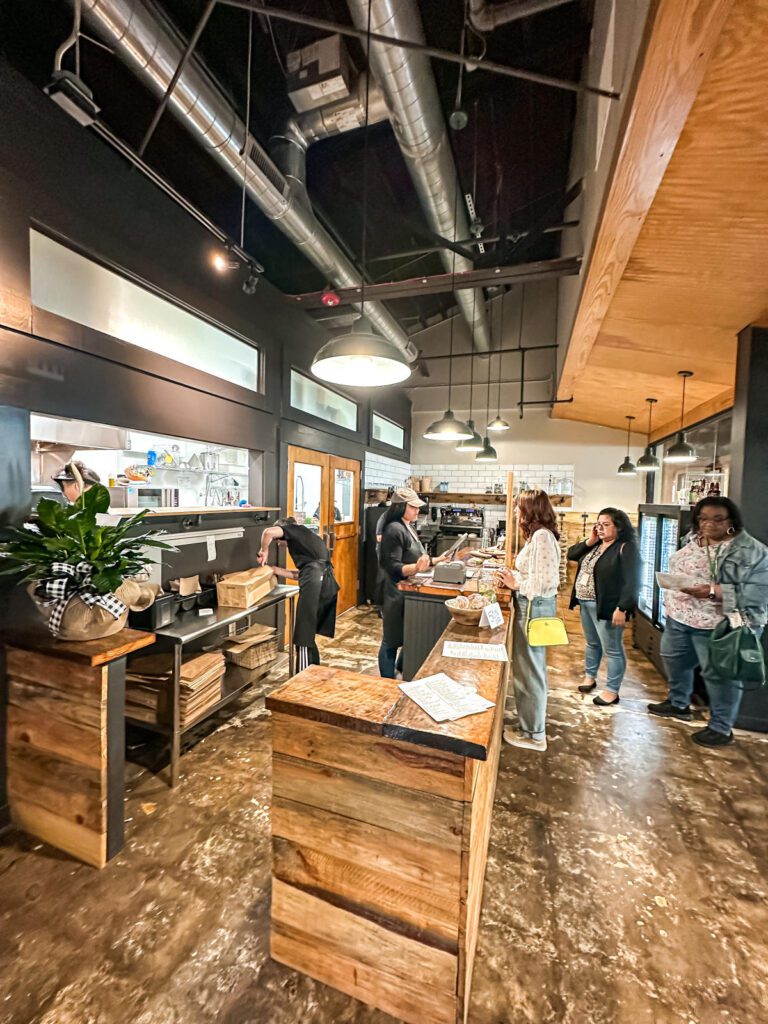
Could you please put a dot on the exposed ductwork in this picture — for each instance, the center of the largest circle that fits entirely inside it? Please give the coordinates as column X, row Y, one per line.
column 417, row 118
column 485, row 17
column 153, row 50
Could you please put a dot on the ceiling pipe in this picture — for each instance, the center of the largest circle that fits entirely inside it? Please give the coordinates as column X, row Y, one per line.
column 153, row 50
column 486, row 17
column 406, row 79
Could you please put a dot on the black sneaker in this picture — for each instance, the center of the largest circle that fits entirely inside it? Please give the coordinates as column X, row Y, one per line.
column 666, row 709
column 712, row 738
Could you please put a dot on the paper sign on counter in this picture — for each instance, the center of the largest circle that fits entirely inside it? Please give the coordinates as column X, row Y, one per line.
column 210, row 543
column 492, row 616
column 444, row 699
column 476, row 652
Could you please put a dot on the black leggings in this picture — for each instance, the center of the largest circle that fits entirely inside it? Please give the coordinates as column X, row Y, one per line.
column 389, row 661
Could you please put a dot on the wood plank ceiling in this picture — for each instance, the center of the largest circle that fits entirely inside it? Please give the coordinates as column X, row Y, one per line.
column 697, row 273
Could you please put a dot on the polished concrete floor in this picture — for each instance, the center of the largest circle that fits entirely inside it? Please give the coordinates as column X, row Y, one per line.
column 626, row 883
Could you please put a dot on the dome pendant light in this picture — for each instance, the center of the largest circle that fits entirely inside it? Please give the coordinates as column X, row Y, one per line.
column 488, row 454
column 498, row 423
column 681, row 452
column 448, row 428
column 648, row 463
column 362, row 359
column 627, row 468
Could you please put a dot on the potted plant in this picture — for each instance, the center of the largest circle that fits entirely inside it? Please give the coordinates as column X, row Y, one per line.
column 78, row 566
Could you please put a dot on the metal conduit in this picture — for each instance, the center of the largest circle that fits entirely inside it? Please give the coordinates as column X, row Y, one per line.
column 406, row 79
column 153, row 50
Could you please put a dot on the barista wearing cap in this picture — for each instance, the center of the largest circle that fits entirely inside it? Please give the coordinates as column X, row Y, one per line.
column 401, row 555
column 316, row 609
column 74, row 479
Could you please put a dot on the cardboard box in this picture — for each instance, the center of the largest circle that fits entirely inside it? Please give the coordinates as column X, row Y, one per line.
column 245, row 589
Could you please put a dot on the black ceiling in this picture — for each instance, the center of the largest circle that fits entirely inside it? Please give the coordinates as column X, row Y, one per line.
column 520, row 161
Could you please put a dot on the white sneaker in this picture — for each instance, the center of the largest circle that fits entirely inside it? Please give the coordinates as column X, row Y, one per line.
column 517, row 739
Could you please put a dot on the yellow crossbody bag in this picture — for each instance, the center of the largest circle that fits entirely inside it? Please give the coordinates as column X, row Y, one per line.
column 546, row 631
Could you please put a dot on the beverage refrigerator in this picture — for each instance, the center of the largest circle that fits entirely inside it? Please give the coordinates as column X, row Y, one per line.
column 662, row 529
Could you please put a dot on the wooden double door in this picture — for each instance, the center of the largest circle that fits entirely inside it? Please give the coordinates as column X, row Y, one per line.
column 324, row 496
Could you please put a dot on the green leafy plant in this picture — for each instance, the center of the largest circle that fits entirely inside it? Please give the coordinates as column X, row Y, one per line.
column 73, row 535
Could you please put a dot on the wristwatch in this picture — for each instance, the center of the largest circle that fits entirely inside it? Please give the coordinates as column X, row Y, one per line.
column 712, row 594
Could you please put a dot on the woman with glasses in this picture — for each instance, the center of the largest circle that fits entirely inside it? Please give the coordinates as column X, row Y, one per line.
column 606, row 588
column 728, row 569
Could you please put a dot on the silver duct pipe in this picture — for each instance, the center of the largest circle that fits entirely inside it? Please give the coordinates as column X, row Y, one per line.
column 409, row 88
column 153, row 50
column 486, row 17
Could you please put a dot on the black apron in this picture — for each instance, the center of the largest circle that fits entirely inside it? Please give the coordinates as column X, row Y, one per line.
column 406, row 549
column 316, row 608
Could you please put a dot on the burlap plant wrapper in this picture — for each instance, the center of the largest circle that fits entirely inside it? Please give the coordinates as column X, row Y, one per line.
column 83, row 622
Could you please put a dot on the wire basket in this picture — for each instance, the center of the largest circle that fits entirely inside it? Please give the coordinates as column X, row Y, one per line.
column 256, row 655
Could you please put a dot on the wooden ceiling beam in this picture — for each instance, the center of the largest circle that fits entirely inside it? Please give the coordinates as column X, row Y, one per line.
column 698, row 413
column 681, row 39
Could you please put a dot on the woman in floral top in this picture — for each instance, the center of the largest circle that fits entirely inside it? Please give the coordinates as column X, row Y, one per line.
column 534, row 581
column 728, row 570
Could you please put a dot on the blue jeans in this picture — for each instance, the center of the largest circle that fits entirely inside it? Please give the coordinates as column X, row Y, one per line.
column 601, row 637
column 683, row 648
column 389, row 662
column 529, row 668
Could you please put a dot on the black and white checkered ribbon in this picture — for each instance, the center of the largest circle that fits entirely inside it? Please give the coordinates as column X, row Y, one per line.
column 68, row 581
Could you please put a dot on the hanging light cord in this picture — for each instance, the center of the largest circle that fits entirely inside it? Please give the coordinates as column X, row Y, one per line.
column 650, row 413
column 364, row 247
column 682, row 410
column 453, row 283
column 247, row 129
column 488, row 395
column 472, row 354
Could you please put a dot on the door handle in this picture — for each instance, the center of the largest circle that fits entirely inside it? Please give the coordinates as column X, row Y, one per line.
column 331, row 541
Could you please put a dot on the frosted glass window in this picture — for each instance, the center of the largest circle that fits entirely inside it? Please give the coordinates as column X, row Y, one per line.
column 69, row 285
column 387, row 431
column 311, row 397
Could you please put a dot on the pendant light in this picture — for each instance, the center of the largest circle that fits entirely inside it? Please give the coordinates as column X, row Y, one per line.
column 361, row 358
column 448, row 428
column 681, row 451
column 474, row 443
column 488, row 454
column 498, row 424
column 648, row 463
column 627, row 468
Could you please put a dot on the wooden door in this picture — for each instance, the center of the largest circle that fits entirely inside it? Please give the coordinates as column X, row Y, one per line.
column 324, row 495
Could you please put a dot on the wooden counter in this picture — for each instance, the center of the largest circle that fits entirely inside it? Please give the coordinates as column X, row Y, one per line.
column 66, row 740
column 380, row 825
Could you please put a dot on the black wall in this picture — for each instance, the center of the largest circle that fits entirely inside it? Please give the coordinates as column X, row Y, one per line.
column 63, row 180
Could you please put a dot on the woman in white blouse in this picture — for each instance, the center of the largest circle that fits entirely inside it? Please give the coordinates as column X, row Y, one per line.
column 534, row 581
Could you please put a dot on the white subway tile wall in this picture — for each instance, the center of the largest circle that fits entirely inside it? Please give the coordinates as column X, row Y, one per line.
column 381, row 471
column 478, row 478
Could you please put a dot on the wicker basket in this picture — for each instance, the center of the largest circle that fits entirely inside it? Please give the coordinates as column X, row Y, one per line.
column 256, row 655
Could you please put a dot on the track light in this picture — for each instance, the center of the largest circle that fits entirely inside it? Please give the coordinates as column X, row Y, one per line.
column 251, row 282
column 224, row 261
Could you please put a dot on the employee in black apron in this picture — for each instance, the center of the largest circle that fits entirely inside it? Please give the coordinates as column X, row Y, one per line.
column 316, row 611
column 401, row 555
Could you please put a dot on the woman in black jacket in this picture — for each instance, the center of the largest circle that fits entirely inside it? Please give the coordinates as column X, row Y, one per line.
column 606, row 589
column 401, row 555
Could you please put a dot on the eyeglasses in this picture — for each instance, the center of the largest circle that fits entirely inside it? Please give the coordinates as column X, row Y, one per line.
column 713, row 519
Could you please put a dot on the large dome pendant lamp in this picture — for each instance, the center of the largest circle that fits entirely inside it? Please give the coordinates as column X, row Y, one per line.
column 448, row 428
column 681, row 452
column 361, row 358
column 474, row 443
column 648, row 463
column 498, row 423
column 627, row 468
column 488, row 454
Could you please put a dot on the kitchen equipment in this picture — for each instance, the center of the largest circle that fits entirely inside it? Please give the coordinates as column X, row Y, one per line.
column 450, row 572
column 210, row 461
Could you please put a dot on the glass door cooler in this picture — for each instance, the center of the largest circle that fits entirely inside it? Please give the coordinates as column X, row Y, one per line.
column 661, row 529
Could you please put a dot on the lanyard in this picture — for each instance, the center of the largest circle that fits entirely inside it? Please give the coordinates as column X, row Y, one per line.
column 713, row 561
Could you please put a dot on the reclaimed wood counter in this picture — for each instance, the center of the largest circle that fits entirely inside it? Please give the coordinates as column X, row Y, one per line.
column 380, row 826
column 66, row 739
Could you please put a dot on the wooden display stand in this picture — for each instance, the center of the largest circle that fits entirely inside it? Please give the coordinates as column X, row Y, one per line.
column 66, row 740
column 380, row 824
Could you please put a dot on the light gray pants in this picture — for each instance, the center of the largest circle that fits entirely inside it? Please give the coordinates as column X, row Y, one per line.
column 529, row 668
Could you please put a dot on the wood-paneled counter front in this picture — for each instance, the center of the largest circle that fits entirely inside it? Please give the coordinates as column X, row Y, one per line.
column 66, row 739
column 380, row 825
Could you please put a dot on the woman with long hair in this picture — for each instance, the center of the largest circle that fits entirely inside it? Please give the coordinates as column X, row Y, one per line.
column 401, row 555
column 606, row 589
column 729, row 572
column 534, row 582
